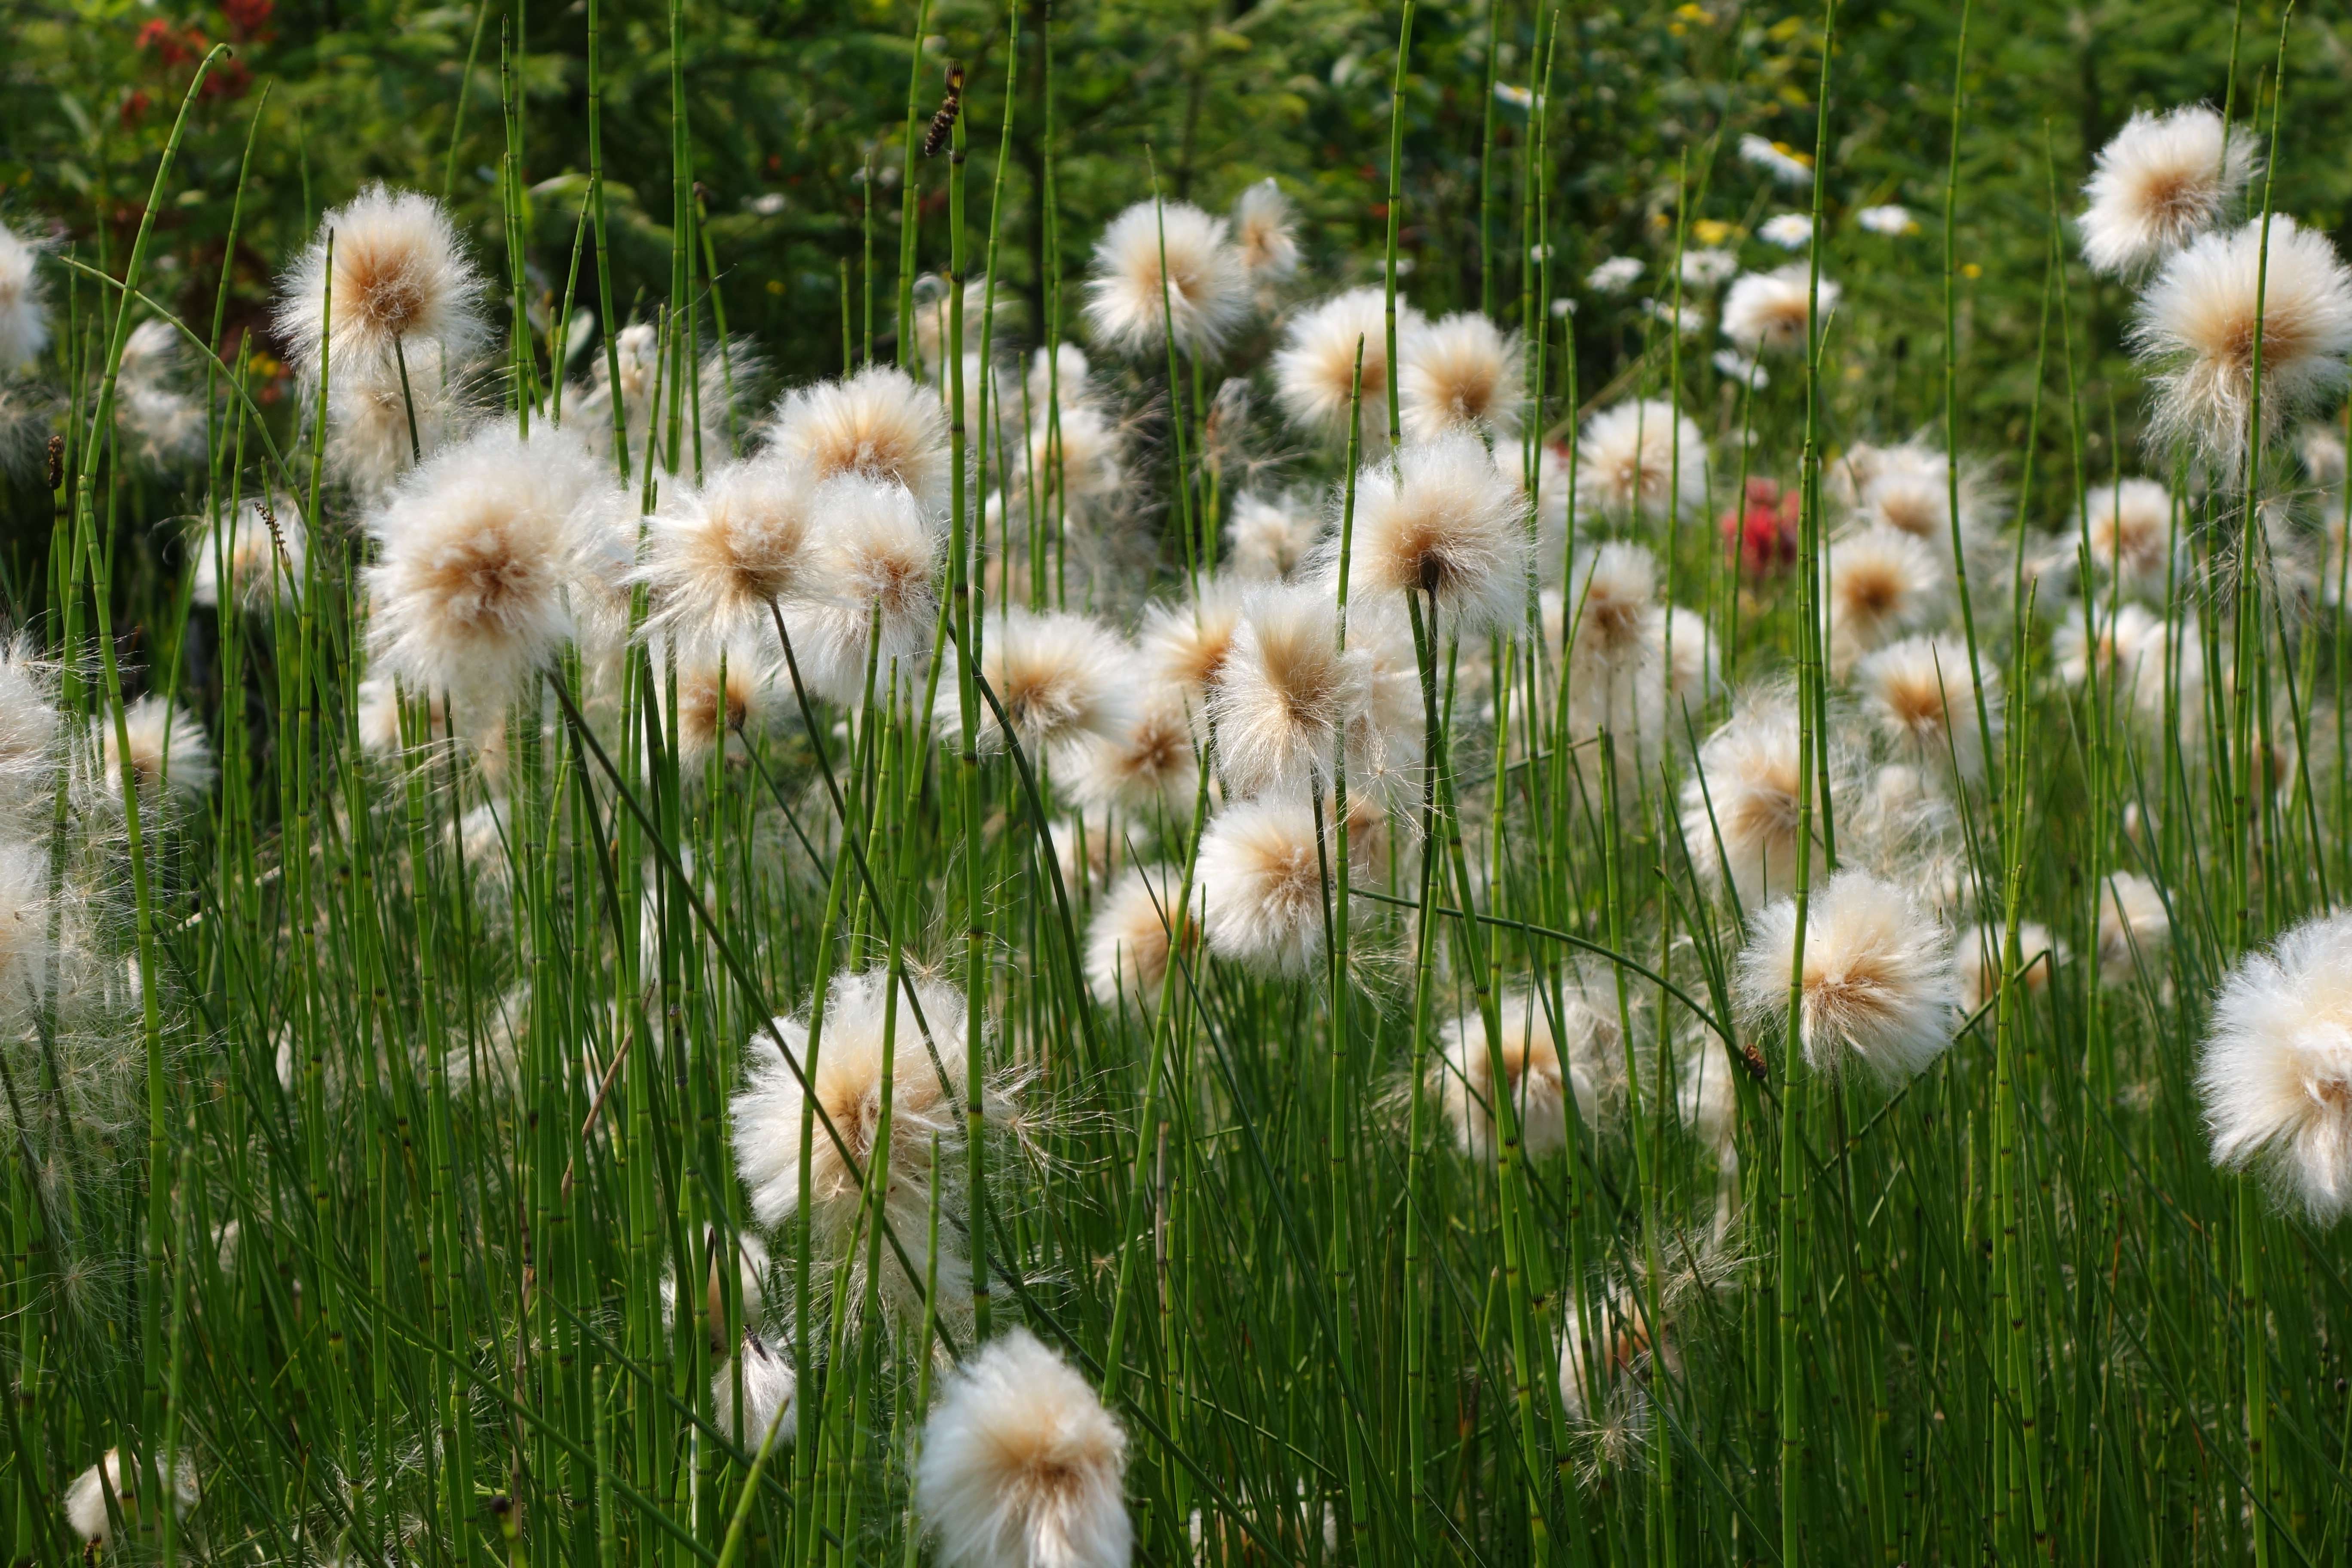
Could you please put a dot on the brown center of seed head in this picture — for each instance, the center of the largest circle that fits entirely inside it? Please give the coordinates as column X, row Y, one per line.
column 384, row 297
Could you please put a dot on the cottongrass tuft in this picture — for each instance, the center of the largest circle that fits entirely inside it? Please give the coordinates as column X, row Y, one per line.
column 1146, row 763
column 257, row 565
column 1262, row 233
column 2135, row 925
column 1137, row 929
column 1535, row 1078
column 716, row 557
column 1268, row 538
column 1460, row 375
column 1022, row 1466
column 1262, row 887
column 722, row 688
column 1920, row 693
column 24, row 303
column 1184, row 644
column 927, row 1113
column 2196, row 327
column 770, row 1401
column 874, row 549
column 1287, row 694
column 29, row 725
column 1883, row 583
column 475, row 551
column 1878, row 987
column 167, row 749
column 1439, row 519
column 1641, row 458
column 1772, row 310
column 1060, row 677
column 1315, row 368
column 1198, row 294
column 2160, row 183
column 84, row 1499
column 2130, row 529
column 2277, row 1073
column 403, row 290
column 1982, row 957
column 877, row 425
column 1745, row 794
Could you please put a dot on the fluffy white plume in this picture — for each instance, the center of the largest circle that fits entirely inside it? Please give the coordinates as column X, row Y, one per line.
column 2276, row 1074
column 1878, row 986
column 1022, row 1466
column 2196, row 327
column 2161, row 182
column 1165, row 269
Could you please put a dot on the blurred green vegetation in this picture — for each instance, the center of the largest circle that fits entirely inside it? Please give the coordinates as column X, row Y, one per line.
column 790, row 105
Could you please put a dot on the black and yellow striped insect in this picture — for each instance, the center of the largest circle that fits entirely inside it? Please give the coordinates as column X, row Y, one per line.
column 943, row 123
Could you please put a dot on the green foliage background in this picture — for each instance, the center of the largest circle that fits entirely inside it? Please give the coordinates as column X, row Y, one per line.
column 792, row 103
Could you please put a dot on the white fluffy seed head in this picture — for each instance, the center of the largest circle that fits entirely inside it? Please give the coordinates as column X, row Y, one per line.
column 29, row 726
column 368, row 446
column 2196, row 327
column 874, row 547
column 2163, row 180
column 877, row 425
column 2276, row 1074
column 2144, row 660
column 1981, row 958
column 717, row 556
column 1078, row 457
column 475, row 553
column 84, row 1499
column 1878, row 986
column 1062, row 377
column 1460, row 375
column 1745, row 794
column 2135, row 925
column 722, row 689
column 1262, row 233
column 1262, row 887
column 1315, row 369
column 1883, row 583
column 400, row 277
column 1146, row 763
column 1137, row 926
column 256, row 563
column 2130, row 527
column 1287, row 694
column 1135, row 302
column 1060, row 677
column 1184, row 644
column 24, row 303
column 1268, row 538
column 1613, row 662
column 1908, row 488
column 1022, row 1466
column 168, row 750
column 851, row 1057
column 1640, row 459
column 1765, row 311
column 1536, row 1078
column 1920, row 696
column 769, row 1390
column 1439, row 519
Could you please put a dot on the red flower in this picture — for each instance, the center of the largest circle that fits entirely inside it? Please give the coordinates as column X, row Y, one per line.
column 1761, row 535
column 246, row 16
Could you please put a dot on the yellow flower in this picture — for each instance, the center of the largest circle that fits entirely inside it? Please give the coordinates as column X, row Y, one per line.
column 1711, row 230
